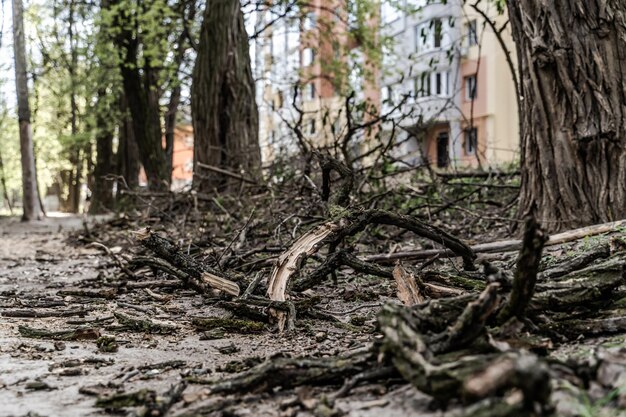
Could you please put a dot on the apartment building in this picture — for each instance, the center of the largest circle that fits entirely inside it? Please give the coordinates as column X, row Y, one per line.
column 450, row 74
column 296, row 60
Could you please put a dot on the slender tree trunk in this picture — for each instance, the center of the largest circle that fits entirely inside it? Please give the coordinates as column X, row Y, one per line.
column 29, row 177
column 128, row 153
column 572, row 58
column 78, row 159
column 223, row 108
column 102, row 196
column 170, row 126
column 5, row 192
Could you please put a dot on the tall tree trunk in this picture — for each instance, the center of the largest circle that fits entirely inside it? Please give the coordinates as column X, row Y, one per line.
column 128, row 153
column 140, row 85
column 170, row 126
column 572, row 58
column 29, row 178
column 102, row 195
column 78, row 158
column 223, row 108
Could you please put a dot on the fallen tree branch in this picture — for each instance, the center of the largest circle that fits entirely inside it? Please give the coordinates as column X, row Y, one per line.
column 290, row 262
column 525, row 276
column 501, row 246
column 205, row 275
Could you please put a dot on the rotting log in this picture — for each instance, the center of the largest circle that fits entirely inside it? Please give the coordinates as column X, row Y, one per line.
column 202, row 275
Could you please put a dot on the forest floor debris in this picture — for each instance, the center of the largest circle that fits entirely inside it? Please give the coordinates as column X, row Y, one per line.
column 545, row 336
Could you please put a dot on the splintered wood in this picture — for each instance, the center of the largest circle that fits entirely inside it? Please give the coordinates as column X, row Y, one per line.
column 408, row 292
column 290, row 262
column 221, row 284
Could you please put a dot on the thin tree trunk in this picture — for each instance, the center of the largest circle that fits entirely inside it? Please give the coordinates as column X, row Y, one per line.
column 573, row 138
column 5, row 192
column 78, row 160
column 29, row 178
column 223, row 108
column 128, row 153
column 102, row 196
column 170, row 126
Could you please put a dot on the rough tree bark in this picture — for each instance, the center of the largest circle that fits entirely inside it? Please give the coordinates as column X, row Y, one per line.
column 30, row 196
column 223, row 108
column 573, row 139
column 140, row 83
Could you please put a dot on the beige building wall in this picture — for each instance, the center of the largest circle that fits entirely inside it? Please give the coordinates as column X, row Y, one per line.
column 500, row 119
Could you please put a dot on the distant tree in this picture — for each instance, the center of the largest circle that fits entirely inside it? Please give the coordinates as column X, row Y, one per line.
column 223, row 108
column 151, row 43
column 140, row 65
column 30, row 196
column 573, row 139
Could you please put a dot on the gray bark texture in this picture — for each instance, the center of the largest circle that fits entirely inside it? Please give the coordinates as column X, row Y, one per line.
column 572, row 61
column 30, row 196
column 224, row 112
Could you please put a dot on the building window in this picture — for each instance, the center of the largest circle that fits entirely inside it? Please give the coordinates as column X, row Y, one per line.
column 471, row 141
column 437, row 28
column 422, row 85
column 391, row 94
column 443, row 158
column 470, row 88
column 431, row 35
column 310, row 20
column 308, row 56
column 441, row 84
column 472, row 33
column 312, row 127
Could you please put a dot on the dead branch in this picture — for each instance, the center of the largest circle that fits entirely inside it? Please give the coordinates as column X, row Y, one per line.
column 205, row 275
column 525, row 276
column 502, row 246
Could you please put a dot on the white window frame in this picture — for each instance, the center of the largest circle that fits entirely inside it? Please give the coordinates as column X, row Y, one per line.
column 440, row 84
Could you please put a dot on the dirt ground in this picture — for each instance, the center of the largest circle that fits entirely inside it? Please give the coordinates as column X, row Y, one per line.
column 65, row 378
column 41, row 377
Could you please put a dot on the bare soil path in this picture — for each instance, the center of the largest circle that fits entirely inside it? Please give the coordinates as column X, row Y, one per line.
column 64, row 378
